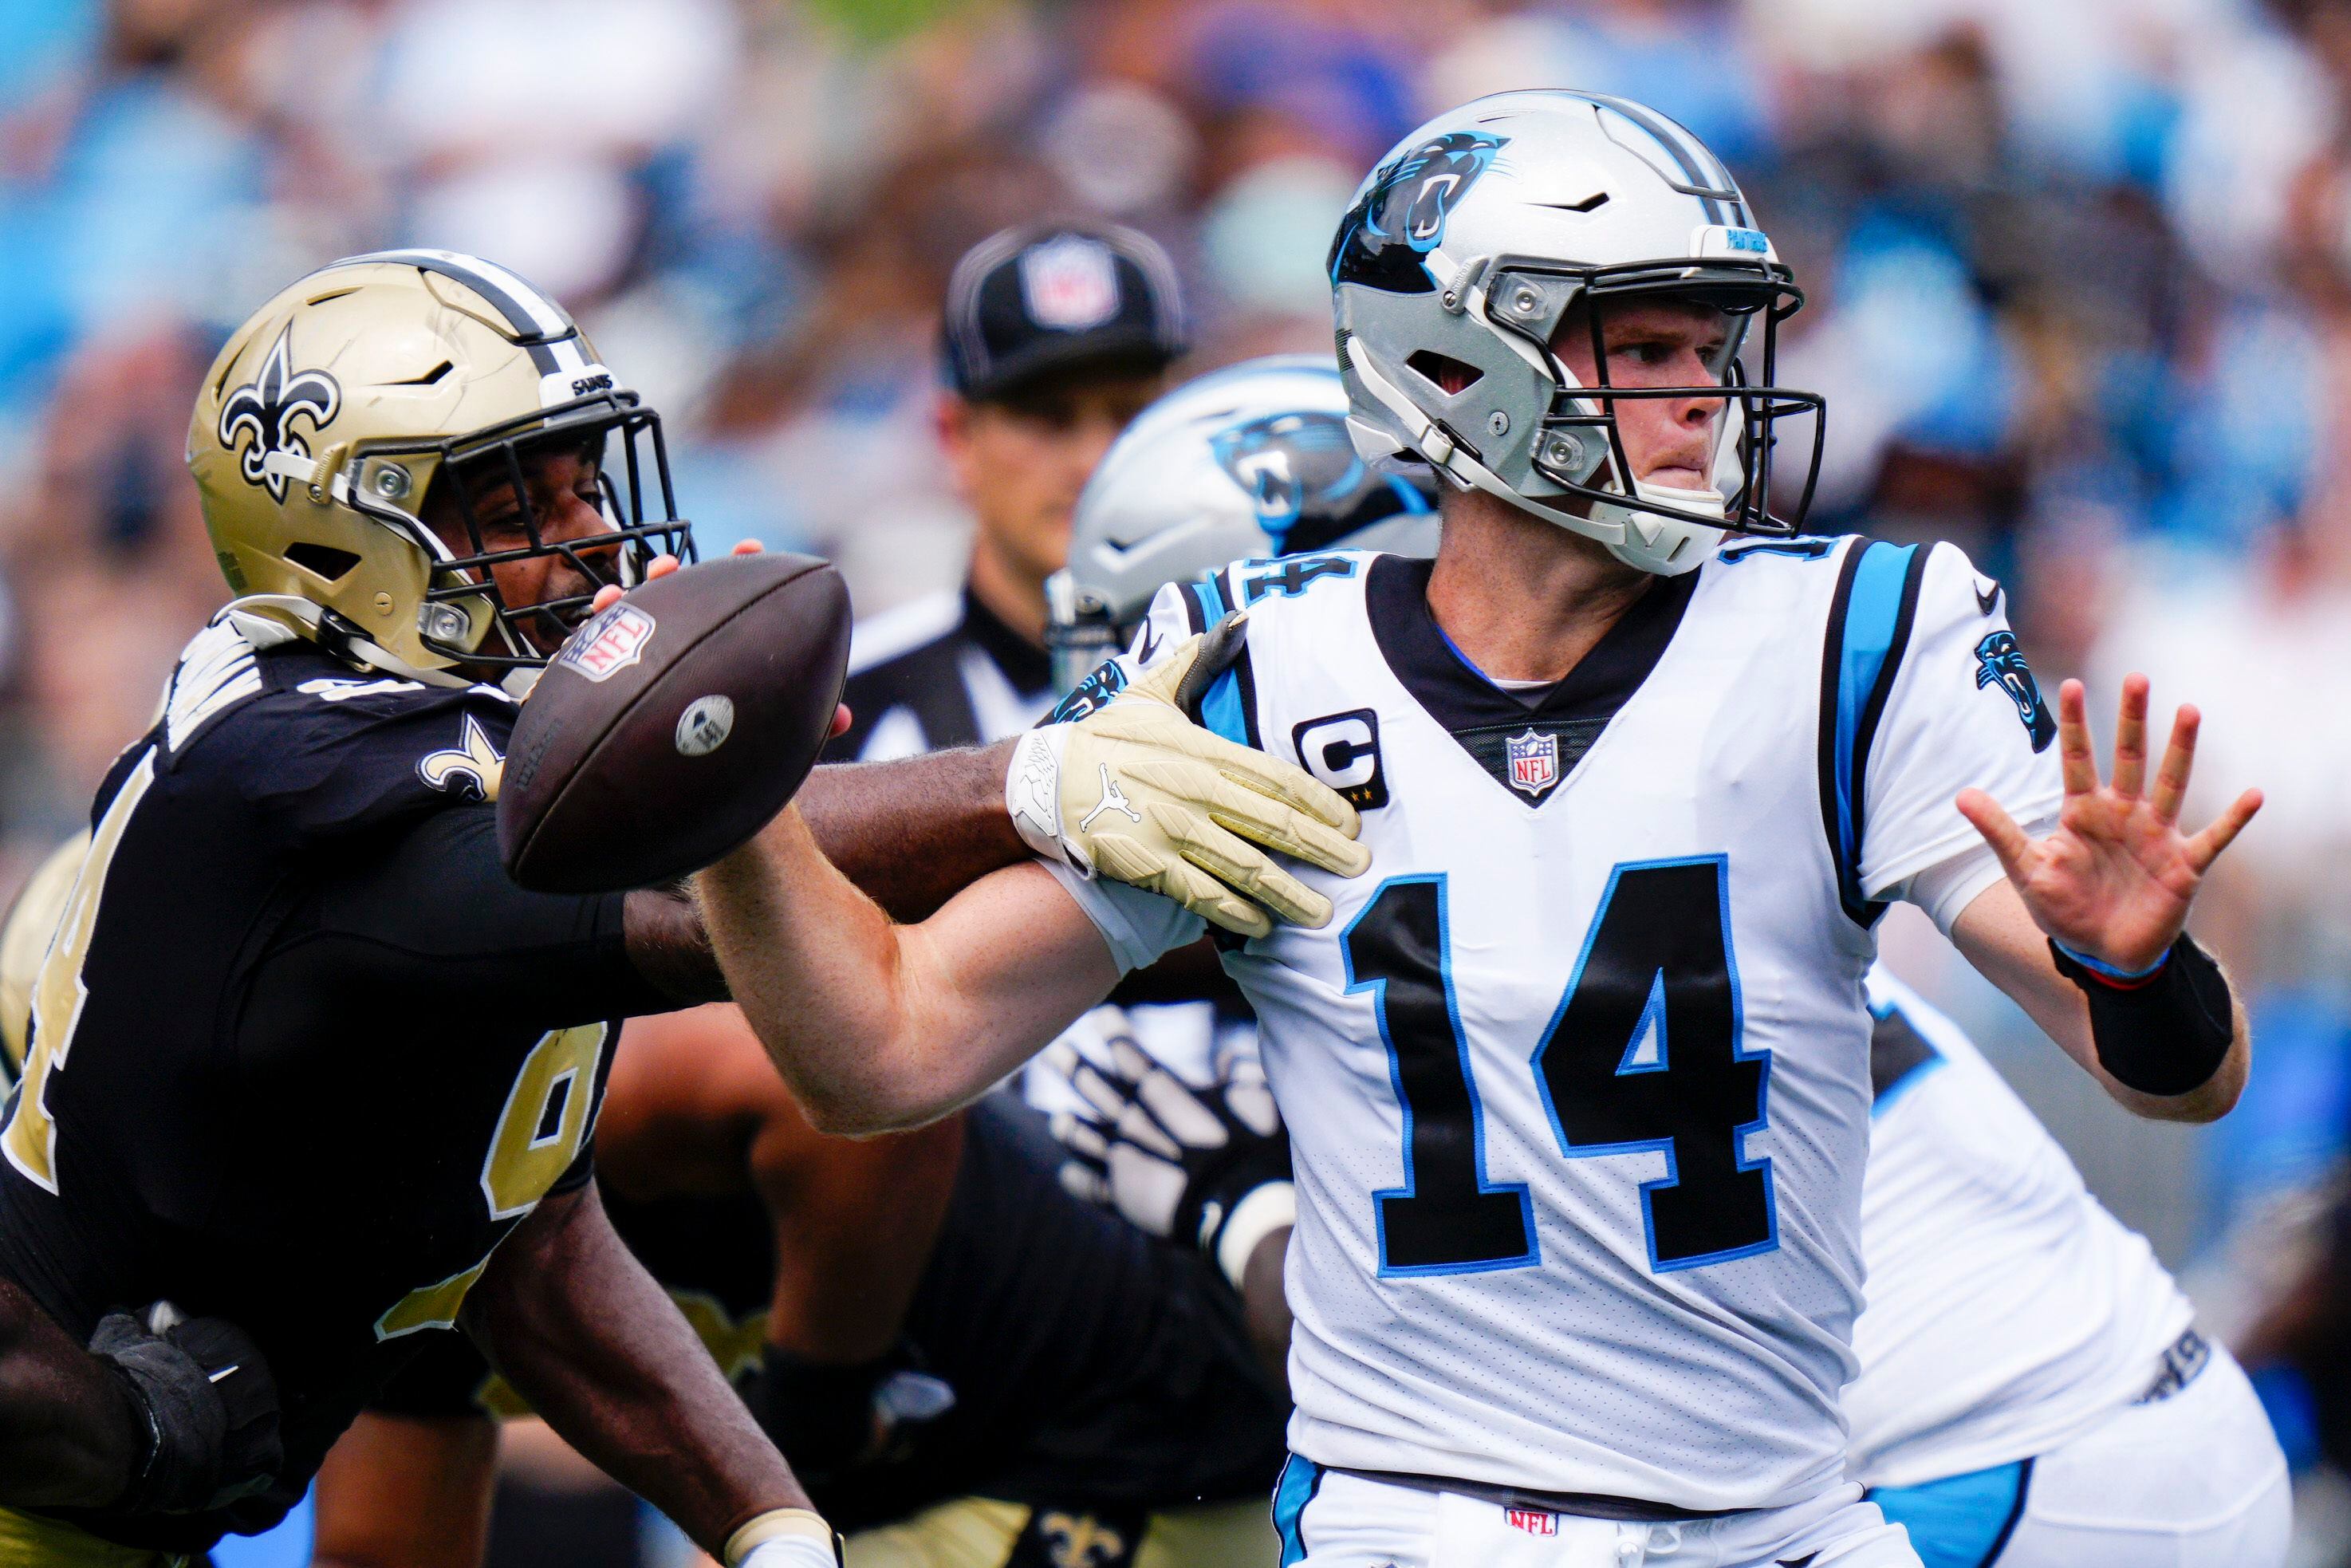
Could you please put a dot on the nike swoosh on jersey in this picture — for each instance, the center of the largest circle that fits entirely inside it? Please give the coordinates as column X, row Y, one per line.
column 1985, row 601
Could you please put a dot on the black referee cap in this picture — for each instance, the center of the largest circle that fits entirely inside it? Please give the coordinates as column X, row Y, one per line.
column 1031, row 301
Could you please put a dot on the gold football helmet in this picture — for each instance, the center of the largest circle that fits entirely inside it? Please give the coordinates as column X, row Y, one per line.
column 25, row 936
column 333, row 412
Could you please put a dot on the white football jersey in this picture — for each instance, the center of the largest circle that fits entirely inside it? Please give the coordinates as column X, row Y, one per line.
column 2008, row 1310
column 1577, row 1079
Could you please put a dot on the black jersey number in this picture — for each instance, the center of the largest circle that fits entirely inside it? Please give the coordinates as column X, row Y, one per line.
column 1643, row 1054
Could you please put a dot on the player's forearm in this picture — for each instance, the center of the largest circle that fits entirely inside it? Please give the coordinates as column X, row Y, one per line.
column 1998, row 936
column 572, row 1320
column 406, row 1491
column 909, row 834
column 67, row 1430
column 820, row 974
column 912, row 833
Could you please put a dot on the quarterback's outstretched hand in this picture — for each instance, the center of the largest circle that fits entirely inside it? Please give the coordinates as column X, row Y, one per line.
column 1207, row 1166
column 2116, row 879
column 1137, row 792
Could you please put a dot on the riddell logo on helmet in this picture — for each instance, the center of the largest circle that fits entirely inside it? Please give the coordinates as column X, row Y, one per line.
column 609, row 644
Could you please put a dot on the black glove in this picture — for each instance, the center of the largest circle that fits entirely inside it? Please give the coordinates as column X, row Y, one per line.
column 827, row 1420
column 1180, row 1162
column 208, row 1404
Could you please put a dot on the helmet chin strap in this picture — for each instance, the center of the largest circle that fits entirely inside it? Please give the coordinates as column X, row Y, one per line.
column 267, row 620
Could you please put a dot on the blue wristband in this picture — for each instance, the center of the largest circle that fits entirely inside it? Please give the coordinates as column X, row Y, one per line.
column 2101, row 968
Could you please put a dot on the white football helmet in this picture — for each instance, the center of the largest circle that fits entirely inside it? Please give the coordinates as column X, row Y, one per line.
column 1252, row 460
column 1463, row 254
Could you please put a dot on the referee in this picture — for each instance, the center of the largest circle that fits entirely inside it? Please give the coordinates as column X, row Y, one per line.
column 1053, row 338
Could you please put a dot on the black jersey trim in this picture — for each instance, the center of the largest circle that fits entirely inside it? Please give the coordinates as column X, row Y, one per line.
column 1900, row 1056
column 1481, row 716
column 1869, row 623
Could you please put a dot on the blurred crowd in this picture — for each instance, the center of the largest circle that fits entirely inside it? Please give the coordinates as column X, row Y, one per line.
column 2079, row 278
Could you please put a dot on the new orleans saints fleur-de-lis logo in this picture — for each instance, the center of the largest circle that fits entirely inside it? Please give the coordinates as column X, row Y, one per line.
column 1079, row 1541
column 472, row 765
column 266, row 408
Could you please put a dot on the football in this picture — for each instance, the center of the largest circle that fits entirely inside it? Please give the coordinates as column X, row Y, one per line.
column 673, row 724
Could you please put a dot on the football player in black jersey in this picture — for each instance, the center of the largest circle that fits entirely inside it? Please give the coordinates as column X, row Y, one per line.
column 306, row 1077
column 965, row 1362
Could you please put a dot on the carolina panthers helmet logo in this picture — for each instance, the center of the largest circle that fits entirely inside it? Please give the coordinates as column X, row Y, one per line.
column 265, row 408
column 1309, row 486
column 1400, row 217
column 2000, row 663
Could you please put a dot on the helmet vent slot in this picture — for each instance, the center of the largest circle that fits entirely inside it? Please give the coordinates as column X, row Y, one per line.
column 429, row 378
column 1448, row 375
column 324, row 561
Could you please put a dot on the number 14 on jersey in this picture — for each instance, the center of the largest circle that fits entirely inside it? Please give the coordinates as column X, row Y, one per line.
column 1641, row 1053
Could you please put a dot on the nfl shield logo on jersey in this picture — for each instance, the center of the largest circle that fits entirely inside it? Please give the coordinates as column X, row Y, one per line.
column 1534, row 762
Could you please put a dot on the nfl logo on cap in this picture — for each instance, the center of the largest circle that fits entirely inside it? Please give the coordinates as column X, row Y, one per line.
column 1534, row 762
column 1070, row 283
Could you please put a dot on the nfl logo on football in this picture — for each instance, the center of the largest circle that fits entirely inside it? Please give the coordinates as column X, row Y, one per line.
column 1534, row 762
column 610, row 643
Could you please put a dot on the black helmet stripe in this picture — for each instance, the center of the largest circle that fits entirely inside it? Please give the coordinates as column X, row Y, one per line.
column 1710, row 182
column 540, row 325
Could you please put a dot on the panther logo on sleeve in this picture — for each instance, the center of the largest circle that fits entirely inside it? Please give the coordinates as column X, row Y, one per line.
column 2000, row 663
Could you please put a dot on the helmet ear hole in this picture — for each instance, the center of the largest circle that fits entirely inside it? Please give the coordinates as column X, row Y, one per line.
column 324, row 561
column 1448, row 375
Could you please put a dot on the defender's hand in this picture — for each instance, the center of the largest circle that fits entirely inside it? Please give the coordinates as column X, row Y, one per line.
column 2116, row 879
column 209, row 1404
column 1210, row 1167
column 1136, row 792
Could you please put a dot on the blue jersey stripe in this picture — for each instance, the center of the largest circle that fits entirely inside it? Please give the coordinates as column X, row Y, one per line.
column 1223, row 712
column 1211, row 600
column 1300, row 1480
column 1869, row 626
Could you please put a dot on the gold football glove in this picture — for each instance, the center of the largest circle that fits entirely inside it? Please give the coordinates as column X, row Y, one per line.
column 1136, row 792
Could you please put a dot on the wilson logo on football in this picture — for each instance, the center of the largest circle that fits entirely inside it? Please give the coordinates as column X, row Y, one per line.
column 609, row 644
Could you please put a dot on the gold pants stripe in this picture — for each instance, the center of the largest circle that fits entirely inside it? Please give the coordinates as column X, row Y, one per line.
column 28, row 1541
column 980, row 1533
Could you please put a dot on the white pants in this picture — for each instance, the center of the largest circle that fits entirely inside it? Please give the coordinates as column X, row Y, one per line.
column 1348, row 1522
column 2194, row 1480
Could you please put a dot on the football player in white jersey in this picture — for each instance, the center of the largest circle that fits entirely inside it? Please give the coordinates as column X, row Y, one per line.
column 1578, row 1085
column 2033, row 1392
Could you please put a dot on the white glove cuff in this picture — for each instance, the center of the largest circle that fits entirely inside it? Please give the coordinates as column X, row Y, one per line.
column 791, row 1552
column 1032, row 796
column 1264, row 1210
column 782, row 1538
